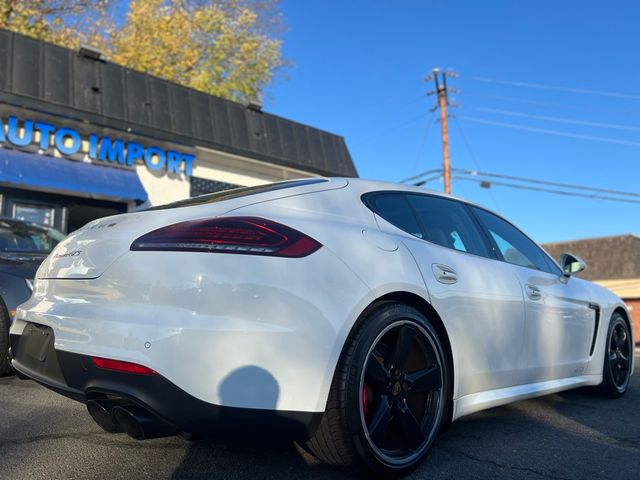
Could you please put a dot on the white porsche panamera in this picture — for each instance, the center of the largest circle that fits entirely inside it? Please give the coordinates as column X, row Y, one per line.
column 359, row 317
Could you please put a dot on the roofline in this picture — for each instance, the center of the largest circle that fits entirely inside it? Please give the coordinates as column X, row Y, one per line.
column 637, row 237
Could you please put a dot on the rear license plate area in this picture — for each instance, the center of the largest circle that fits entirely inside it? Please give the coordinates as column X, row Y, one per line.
column 36, row 341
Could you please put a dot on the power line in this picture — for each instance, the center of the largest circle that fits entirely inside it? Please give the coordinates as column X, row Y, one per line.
column 551, row 132
column 420, row 175
column 583, row 191
column 549, row 190
column 558, row 119
column 548, row 183
column 528, row 101
column 542, row 86
column 392, row 99
column 428, row 179
column 473, row 158
column 423, row 141
column 393, row 128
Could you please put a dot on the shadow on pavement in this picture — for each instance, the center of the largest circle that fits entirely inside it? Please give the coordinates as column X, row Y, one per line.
column 208, row 459
column 260, row 456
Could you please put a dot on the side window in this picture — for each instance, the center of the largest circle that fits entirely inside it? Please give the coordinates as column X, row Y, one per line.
column 448, row 223
column 395, row 210
column 514, row 246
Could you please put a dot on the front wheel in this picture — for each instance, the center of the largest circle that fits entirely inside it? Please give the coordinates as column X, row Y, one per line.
column 617, row 359
column 389, row 396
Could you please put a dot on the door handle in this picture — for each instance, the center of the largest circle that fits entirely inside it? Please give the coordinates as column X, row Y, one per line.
column 533, row 292
column 444, row 274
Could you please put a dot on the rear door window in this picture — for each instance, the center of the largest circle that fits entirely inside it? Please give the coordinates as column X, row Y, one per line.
column 438, row 220
column 395, row 209
column 448, row 223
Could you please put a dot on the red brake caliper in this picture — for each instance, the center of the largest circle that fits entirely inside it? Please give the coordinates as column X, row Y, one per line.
column 365, row 400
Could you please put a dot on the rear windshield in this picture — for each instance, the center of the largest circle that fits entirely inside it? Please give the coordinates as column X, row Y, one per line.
column 239, row 192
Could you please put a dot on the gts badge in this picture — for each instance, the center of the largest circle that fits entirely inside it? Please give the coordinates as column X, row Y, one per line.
column 103, row 225
column 75, row 253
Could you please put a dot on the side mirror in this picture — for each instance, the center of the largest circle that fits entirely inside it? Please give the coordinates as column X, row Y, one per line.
column 571, row 264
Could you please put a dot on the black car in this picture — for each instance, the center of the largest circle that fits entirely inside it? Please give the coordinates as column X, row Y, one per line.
column 23, row 247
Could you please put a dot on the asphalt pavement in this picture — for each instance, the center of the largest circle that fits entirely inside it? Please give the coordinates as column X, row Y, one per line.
column 572, row 435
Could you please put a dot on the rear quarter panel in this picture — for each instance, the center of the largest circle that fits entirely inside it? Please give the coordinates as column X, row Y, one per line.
column 339, row 221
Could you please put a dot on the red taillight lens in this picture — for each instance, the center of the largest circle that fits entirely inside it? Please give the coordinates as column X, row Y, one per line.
column 246, row 235
column 120, row 366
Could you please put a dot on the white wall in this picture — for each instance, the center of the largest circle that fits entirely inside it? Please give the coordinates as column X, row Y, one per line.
column 217, row 166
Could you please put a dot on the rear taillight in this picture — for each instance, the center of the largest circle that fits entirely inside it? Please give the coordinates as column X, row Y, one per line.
column 246, row 235
column 121, row 366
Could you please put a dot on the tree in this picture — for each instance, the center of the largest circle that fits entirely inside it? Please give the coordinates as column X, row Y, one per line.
column 63, row 22
column 229, row 48
column 221, row 48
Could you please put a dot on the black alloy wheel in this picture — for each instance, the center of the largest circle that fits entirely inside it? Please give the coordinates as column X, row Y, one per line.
column 390, row 395
column 618, row 357
column 402, row 392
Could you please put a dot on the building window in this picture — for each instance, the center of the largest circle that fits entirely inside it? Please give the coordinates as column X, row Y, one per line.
column 41, row 214
column 201, row 186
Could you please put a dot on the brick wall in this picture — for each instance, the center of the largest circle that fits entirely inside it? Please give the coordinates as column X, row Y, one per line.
column 634, row 310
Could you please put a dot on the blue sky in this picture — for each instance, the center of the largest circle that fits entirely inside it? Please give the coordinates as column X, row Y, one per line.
column 359, row 67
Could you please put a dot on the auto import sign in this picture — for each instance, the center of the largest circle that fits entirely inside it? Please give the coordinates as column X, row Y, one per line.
column 68, row 142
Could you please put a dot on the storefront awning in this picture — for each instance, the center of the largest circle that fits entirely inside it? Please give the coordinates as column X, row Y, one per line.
column 58, row 175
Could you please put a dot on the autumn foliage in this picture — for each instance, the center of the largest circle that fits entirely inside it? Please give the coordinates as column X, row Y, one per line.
column 229, row 48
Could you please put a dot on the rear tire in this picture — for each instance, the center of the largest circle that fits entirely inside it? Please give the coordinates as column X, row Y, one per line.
column 5, row 364
column 389, row 396
column 617, row 358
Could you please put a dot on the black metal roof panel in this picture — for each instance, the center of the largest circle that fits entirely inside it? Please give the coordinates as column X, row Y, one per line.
column 39, row 76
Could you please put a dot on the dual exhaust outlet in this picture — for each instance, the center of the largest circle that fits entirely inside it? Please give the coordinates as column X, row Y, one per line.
column 118, row 415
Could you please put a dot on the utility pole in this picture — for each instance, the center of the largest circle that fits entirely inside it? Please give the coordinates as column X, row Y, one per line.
column 440, row 79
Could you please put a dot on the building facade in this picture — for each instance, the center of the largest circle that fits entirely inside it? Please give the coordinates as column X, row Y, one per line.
column 81, row 138
column 613, row 262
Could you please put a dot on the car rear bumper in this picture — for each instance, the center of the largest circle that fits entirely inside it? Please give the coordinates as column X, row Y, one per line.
column 77, row 377
column 238, row 331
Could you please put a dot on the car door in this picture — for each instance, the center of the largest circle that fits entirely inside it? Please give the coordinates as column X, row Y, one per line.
column 478, row 298
column 560, row 322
